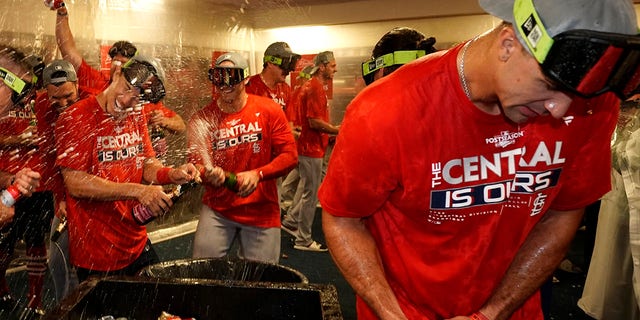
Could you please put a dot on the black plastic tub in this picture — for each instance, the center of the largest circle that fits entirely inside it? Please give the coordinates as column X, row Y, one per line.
column 146, row 298
column 224, row 269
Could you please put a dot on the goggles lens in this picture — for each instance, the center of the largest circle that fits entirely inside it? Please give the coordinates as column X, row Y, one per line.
column 221, row 76
column 589, row 63
column 21, row 91
column 287, row 64
column 143, row 77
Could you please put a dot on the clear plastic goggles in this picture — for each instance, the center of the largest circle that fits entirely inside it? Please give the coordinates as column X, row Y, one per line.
column 143, row 76
column 221, row 76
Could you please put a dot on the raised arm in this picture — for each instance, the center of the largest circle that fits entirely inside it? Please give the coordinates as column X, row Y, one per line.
column 64, row 38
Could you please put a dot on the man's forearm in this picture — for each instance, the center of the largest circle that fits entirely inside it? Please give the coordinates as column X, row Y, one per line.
column 534, row 263
column 83, row 185
column 356, row 255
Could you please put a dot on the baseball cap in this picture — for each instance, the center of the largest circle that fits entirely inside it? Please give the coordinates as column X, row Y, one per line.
column 59, row 71
column 279, row 49
column 238, row 60
column 323, row 58
column 616, row 16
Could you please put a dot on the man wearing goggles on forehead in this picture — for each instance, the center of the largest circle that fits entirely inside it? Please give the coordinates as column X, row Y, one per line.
column 247, row 135
column 105, row 155
column 485, row 156
column 278, row 62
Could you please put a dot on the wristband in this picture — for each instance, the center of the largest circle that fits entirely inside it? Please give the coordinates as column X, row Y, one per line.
column 478, row 316
column 162, row 176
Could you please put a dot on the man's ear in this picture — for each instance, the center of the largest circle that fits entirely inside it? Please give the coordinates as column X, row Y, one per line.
column 508, row 43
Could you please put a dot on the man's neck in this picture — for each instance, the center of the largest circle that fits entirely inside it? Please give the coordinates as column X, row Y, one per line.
column 234, row 105
column 268, row 79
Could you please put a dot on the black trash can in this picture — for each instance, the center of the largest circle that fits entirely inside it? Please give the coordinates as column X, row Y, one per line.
column 224, row 269
column 146, row 298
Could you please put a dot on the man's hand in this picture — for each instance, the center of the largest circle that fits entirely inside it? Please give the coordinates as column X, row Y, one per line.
column 154, row 198
column 6, row 215
column 214, row 176
column 185, row 173
column 247, row 182
column 27, row 181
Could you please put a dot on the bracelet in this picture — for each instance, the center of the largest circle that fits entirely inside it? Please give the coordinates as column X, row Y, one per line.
column 162, row 176
column 478, row 316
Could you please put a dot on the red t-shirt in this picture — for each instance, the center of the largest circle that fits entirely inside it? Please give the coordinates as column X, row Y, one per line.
column 255, row 138
column 91, row 78
column 313, row 104
column 280, row 95
column 40, row 156
column 103, row 235
column 293, row 108
column 449, row 192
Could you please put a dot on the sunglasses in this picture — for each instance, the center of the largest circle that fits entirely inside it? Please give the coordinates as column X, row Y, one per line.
column 221, row 76
column 388, row 60
column 21, row 90
column 287, row 64
column 584, row 62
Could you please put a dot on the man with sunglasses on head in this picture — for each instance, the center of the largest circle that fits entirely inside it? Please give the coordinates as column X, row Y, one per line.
column 247, row 135
column 458, row 181
column 104, row 153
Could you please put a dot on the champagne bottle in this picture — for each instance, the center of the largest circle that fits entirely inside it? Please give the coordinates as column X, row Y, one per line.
column 143, row 215
column 231, row 181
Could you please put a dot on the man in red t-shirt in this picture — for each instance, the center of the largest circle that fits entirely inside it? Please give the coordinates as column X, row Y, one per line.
column 290, row 183
column 160, row 119
column 62, row 90
column 278, row 61
column 109, row 167
column 247, row 135
column 18, row 156
column 312, row 144
column 458, row 181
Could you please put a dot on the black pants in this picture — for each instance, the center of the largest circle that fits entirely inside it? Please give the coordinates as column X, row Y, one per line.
column 31, row 222
column 146, row 258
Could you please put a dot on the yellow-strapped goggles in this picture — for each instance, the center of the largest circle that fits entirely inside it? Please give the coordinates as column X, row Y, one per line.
column 20, row 89
column 390, row 59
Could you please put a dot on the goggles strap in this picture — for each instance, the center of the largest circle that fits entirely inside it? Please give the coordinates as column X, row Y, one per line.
column 390, row 59
column 12, row 81
column 273, row 59
column 530, row 26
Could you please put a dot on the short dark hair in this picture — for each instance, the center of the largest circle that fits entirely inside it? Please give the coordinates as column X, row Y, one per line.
column 402, row 38
column 125, row 48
